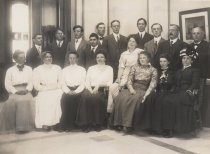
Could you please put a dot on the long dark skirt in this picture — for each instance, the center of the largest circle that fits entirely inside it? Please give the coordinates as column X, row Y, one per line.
column 163, row 113
column 18, row 114
column 69, row 107
column 185, row 114
column 92, row 109
column 125, row 106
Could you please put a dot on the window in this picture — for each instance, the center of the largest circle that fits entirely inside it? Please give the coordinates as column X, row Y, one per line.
column 20, row 27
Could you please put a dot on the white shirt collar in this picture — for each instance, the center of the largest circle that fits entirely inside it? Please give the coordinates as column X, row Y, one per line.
column 116, row 35
column 142, row 34
column 197, row 42
column 94, row 48
column 157, row 39
column 184, row 67
column 174, row 40
column 79, row 40
column 38, row 47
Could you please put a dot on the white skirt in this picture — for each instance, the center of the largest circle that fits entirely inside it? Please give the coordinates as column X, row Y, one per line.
column 48, row 108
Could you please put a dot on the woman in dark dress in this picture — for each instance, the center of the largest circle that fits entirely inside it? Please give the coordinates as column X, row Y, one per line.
column 93, row 104
column 187, row 84
column 163, row 110
column 142, row 80
column 72, row 84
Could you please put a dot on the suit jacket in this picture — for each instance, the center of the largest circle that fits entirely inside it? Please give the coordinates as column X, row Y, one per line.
column 141, row 41
column 33, row 58
column 59, row 53
column 151, row 47
column 203, row 61
column 88, row 57
column 172, row 51
column 114, row 50
column 71, row 48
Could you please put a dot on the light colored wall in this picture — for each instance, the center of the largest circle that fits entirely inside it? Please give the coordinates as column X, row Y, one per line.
column 95, row 11
column 127, row 12
column 158, row 13
column 182, row 5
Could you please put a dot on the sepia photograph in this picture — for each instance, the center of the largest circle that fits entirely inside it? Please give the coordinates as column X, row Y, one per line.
column 104, row 76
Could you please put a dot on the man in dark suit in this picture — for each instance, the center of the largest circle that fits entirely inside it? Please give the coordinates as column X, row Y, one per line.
column 58, row 48
column 203, row 49
column 78, row 44
column 202, row 63
column 88, row 56
column 100, row 29
column 172, row 48
column 152, row 45
column 142, row 36
column 33, row 55
column 114, row 45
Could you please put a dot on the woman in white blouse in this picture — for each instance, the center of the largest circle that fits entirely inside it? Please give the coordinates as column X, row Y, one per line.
column 73, row 83
column 18, row 112
column 46, row 82
column 127, row 59
column 92, row 108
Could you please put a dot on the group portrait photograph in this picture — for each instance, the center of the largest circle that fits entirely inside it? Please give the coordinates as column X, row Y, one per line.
column 104, row 76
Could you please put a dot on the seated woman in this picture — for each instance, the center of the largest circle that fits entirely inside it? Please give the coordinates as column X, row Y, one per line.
column 187, row 83
column 163, row 114
column 18, row 111
column 73, row 84
column 141, row 82
column 127, row 59
column 92, row 108
column 46, row 82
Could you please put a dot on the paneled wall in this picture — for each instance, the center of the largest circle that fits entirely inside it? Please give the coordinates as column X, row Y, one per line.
column 90, row 12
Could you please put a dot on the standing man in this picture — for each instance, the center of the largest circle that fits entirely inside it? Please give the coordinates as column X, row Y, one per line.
column 114, row 45
column 100, row 29
column 172, row 47
column 88, row 57
column 202, row 63
column 153, row 44
column 33, row 55
column 203, row 49
column 142, row 36
column 58, row 48
column 78, row 44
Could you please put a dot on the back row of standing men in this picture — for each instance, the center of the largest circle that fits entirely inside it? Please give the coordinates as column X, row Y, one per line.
column 115, row 43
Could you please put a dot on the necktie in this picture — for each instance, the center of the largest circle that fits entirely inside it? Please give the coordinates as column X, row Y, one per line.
column 20, row 67
column 93, row 49
column 118, row 38
column 171, row 43
column 141, row 36
column 156, row 44
column 59, row 44
column 76, row 40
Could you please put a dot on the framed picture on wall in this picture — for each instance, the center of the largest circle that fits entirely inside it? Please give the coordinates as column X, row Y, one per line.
column 194, row 18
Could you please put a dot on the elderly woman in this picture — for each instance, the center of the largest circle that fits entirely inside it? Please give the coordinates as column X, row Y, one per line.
column 162, row 114
column 18, row 112
column 127, row 59
column 92, row 108
column 73, row 84
column 46, row 82
column 187, row 84
column 141, row 82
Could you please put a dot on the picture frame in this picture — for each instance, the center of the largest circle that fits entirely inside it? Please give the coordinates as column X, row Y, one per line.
column 194, row 18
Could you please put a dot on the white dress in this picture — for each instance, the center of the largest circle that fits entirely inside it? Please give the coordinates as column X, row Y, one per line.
column 46, row 82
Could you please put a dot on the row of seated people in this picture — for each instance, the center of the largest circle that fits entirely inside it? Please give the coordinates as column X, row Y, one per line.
column 133, row 100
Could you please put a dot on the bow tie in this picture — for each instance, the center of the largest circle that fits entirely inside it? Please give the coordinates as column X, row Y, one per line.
column 101, row 38
column 20, row 67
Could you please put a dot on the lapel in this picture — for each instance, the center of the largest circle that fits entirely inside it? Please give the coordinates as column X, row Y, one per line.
column 80, row 45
